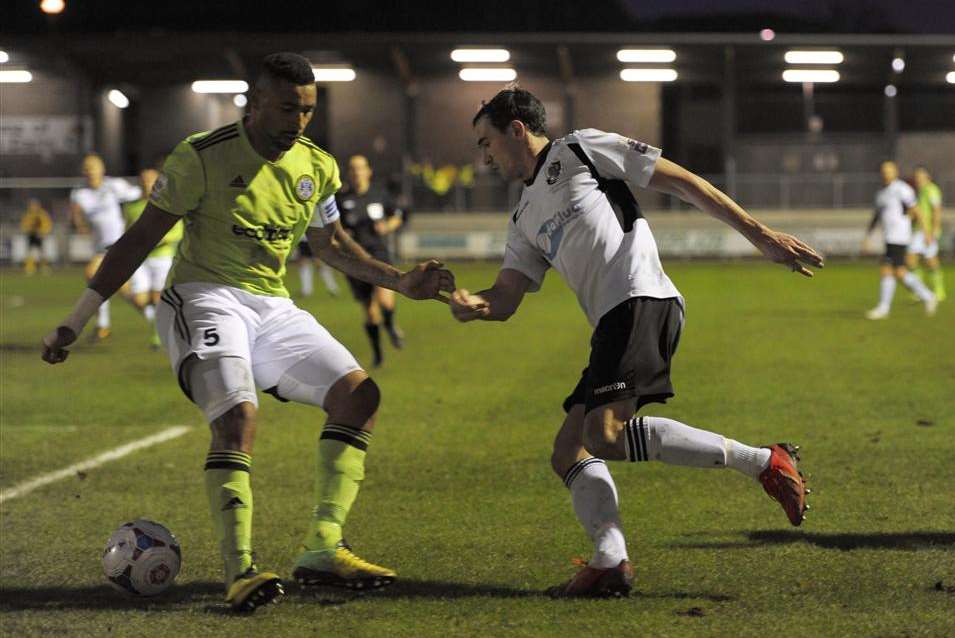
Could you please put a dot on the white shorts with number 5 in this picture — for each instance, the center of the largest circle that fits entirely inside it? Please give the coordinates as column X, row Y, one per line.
column 208, row 321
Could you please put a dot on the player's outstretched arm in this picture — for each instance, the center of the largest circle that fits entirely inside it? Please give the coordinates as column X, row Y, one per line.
column 121, row 261
column 333, row 246
column 497, row 303
column 671, row 178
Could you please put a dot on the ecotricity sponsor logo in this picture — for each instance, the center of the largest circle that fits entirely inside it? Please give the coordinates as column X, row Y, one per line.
column 263, row 233
column 619, row 385
column 552, row 231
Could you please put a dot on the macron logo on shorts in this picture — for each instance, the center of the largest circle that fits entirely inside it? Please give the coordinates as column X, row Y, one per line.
column 619, row 385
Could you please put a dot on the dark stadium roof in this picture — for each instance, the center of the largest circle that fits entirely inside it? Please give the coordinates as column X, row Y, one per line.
column 647, row 16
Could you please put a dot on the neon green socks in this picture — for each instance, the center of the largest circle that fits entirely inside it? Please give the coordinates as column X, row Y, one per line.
column 341, row 468
column 230, row 503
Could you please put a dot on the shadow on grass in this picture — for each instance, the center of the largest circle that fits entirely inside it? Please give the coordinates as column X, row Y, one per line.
column 443, row 590
column 102, row 597
column 210, row 595
column 906, row 541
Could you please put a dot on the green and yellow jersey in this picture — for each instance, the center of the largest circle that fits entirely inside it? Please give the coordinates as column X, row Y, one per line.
column 242, row 213
column 930, row 197
column 167, row 245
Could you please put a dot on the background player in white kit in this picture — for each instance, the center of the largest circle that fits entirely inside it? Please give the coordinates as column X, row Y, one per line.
column 895, row 208
column 159, row 261
column 577, row 214
column 96, row 208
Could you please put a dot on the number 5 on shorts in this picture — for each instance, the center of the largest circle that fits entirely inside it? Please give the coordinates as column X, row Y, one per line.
column 210, row 336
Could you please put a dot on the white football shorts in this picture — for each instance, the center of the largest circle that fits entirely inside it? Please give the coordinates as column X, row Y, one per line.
column 157, row 268
column 271, row 334
column 918, row 247
column 139, row 282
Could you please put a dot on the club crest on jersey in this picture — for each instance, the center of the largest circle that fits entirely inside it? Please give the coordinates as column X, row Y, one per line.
column 305, row 188
column 158, row 187
column 553, row 172
column 637, row 147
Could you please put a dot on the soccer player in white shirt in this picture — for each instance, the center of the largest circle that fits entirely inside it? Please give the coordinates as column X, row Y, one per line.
column 577, row 214
column 895, row 208
column 97, row 208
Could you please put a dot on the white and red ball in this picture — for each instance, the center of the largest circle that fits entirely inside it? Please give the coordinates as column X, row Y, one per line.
column 142, row 558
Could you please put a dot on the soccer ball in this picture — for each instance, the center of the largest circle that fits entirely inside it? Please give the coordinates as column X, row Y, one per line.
column 141, row 558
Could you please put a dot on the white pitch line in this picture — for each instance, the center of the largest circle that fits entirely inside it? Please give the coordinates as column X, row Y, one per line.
column 110, row 455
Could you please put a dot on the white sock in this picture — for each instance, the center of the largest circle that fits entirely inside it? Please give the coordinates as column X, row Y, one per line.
column 915, row 284
column 328, row 278
column 150, row 313
column 305, row 271
column 751, row 461
column 102, row 315
column 886, row 292
column 654, row 438
column 594, row 496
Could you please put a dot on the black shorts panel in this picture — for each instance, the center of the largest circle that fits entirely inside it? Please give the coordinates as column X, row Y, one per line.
column 304, row 250
column 361, row 290
column 630, row 354
column 895, row 254
column 34, row 241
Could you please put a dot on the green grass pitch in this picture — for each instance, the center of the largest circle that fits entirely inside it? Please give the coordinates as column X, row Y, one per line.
column 459, row 496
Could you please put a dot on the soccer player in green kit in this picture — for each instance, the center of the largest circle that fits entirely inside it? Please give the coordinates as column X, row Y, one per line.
column 247, row 192
column 159, row 260
column 926, row 247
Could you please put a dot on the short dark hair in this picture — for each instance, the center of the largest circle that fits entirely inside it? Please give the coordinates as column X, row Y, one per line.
column 514, row 103
column 287, row 66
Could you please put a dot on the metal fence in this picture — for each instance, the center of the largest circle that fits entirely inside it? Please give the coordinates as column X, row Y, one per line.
column 489, row 192
column 751, row 190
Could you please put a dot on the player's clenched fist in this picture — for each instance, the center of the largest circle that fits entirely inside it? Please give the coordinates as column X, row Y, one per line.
column 426, row 281
column 468, row 307
column 55, row 342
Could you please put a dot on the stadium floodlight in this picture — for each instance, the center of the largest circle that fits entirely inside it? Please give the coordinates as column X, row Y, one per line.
column 52, row 7
column 898, row 65
column 500, row 74
column 648, row 75
column 890, row 90
column 480, row 55
column 117, row 98
column 240, row 100
column 807, row 75
column 220, row 86
column 16, row 77
column 333, row 73
column 950, row 78
column 814, row 57
column 4, row 57
column 646, row 55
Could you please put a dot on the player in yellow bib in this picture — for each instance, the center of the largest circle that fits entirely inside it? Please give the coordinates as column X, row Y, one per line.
column 925, row 245
column 159, row 261
column 246, row 193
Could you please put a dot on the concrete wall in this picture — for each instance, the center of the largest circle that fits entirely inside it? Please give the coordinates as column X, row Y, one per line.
column 628, row 108
column 366, row 117
column 167, row 115
column 46, row 102
column 935, row 150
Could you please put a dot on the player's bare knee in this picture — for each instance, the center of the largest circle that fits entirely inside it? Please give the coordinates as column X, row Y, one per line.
column 600, row 437
column 353, row 400
column 235, row 428
column 568, row 444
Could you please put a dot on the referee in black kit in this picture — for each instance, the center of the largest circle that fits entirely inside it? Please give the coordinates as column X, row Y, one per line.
column 369, row 216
